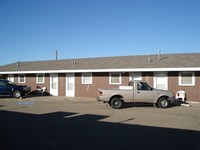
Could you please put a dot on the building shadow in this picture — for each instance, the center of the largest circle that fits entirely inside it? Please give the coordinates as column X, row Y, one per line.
column 66, row 130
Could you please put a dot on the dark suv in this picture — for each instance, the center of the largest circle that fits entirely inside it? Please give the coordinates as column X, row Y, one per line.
column 8, row 88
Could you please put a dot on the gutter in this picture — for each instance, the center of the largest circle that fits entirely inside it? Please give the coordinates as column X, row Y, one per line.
column 105, row 70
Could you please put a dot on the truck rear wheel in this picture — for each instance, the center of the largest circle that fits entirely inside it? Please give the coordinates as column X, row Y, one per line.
column 163, row 102
column 17, row 94
column 116, row 103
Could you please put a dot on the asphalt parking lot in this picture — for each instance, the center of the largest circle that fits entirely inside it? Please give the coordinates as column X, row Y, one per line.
column 60, row 123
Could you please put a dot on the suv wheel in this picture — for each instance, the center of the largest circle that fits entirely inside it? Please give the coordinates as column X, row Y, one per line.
column 17, row 94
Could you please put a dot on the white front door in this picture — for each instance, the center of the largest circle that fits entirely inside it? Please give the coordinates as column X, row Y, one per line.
column 54, row 84
column 161, row 81
column 70, row 86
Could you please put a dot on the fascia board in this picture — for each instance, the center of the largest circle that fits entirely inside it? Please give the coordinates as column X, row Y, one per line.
column 104, row 70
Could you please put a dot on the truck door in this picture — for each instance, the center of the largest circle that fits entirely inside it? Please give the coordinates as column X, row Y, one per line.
column 128, row 95
column 127, row 92
column 143, row 93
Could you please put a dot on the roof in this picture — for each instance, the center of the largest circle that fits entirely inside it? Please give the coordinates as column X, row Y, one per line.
column 155, row 62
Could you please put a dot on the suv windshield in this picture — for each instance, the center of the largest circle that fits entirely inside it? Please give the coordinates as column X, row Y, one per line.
column 10, row 83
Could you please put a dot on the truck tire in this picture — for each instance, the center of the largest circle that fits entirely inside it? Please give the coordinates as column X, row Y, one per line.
column 163, row 102
column 17, row 94
column 116, row 103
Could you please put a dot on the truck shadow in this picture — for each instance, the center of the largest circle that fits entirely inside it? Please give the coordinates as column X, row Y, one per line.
column 128, row 105
column 66, row 130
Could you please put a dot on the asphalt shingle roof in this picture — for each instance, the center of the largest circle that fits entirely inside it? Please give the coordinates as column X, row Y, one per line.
column 184, row 60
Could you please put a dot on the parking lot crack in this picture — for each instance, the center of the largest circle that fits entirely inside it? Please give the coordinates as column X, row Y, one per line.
column 123, row 121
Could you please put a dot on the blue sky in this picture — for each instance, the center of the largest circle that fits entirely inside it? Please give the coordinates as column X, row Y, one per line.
column 32, row 30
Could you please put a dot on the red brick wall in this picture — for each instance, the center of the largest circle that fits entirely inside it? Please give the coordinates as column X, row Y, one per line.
column 100, row 80
column 31, row 81
column 125, row 79
column 192, row 92
column 83, row 90
column 89, row 90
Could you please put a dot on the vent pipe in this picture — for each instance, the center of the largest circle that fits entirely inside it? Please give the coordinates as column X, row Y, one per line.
column 74, row 62
column 56, row 54
column 149, row 59
column 18, row 63
column 159, row 51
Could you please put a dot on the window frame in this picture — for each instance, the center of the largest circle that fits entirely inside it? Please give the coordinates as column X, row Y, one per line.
column 87, row 75
column 110, row 78
column 19, row 78
column 135, row 76
column 43, row 78
column 192, row 79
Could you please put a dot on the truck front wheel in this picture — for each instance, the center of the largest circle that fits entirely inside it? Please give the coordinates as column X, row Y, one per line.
column 163, row 102
column 116, row 103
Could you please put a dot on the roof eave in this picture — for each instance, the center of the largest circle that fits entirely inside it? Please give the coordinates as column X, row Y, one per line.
column 105, row 70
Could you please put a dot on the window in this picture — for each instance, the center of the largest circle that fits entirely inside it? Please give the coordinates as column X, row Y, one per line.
column 40, row 78
column 86, row 78
column 115, row 78
column 21, row 78
column 143, row 86
column 186, row 78
column 135, row 76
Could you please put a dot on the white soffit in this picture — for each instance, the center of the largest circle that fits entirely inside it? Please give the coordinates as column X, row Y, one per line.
column 104, row 70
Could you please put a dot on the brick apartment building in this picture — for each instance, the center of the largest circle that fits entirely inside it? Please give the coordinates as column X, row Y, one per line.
column 82, row 77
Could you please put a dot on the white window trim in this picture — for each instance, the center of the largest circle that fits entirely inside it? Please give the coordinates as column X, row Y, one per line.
column 120, row 78
column 193, row 79
column 37, row 78
column 136, row 75
column 90, row 76
column 19, row 78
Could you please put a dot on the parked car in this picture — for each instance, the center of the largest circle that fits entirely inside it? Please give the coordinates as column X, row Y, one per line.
column 136, row 92
column 8, row 88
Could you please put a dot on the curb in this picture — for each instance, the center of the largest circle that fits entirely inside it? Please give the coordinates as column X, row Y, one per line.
column 186, row 105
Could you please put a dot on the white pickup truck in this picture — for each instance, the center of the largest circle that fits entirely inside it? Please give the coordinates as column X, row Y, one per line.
column 136, row 92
